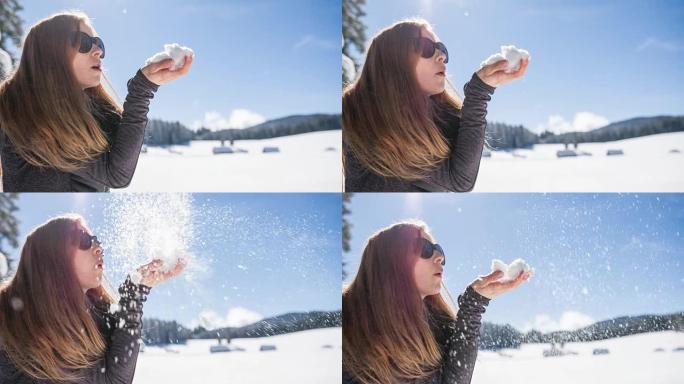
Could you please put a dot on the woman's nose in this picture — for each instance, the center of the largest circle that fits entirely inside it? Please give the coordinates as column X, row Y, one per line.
column 97, row 51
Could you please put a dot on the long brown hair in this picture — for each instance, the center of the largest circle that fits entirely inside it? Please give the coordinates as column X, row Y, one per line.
column 44, row 112
column 388, row 123
column 45, row 327
column 387, row 335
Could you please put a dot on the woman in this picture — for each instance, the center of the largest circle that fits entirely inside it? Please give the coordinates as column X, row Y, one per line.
column 397, row 326
column 402, row 129
column 59, row 128
column 58, row 323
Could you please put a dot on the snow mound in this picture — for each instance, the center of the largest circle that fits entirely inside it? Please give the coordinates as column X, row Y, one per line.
column 511, row 271
column 508, row 52
column 172, row 51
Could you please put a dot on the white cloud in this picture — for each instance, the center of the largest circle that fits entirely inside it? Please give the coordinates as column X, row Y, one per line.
column 569, row 320
column 311, row 40
column 583, row 121
column 239, row 118
column 236, row 317
column 669, row 46
column 413, row 204
column 425, row 8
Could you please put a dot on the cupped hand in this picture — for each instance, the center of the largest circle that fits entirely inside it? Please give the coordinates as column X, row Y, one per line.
column 495, row 74
column 161, row 73
column 154, row 272
column 489, row 286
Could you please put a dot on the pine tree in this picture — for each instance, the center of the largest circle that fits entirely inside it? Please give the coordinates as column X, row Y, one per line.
column 10, row 23
column 9, row 225
column 353, row 29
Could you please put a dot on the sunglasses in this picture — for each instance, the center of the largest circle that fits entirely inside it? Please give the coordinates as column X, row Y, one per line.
column 86, row 42
column 87, row 241
column 429, row 249
column 427, row 48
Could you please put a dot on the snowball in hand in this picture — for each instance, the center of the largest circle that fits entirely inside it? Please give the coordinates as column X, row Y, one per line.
column 510, row 53
column 172, row 51
column 513, row 270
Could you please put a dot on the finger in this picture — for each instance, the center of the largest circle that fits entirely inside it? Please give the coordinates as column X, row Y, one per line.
column 523, row 67
column 504, row 77
column 156, row 263
column 492, row 277
column 514, row 283
column 161, row 65
column 483, row 281
column 487, row 70
column 180, row 266
column 156, row 277
column 187, row 63
column 498, row 66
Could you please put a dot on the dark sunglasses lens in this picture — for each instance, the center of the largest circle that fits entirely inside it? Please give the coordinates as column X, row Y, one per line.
column 100, row 44
column 441, row 252
column 443, row 48
column 428, row 250
column 427, row 48
column 86, row 43
column 86, row 241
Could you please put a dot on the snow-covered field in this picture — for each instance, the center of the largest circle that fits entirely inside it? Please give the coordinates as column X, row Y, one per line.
column 631, row 359
column 310, row 162
column 646, row 166
column 313, row 356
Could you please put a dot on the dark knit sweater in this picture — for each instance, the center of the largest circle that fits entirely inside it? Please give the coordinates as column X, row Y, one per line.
column 112, row 169
column 121, row 332
column 458, row 340
column 458, row 172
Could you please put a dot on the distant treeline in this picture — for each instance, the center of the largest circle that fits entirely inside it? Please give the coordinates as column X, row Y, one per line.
column 498, row 135
column 504, row 136
column 291, row 125
column 161, row 132
column 160, row 332
column 494, row 336
column 640, row 126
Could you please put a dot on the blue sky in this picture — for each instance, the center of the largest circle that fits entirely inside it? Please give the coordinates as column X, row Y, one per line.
column 273, row 58
column 613, row 60
column 266, row 253
column 597, row 256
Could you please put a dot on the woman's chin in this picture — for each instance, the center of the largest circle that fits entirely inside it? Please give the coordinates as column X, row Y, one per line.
column 437, row 91
column 91, row 84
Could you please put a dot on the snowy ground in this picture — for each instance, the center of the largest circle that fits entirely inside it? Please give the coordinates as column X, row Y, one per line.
column 313, row 356
column 646, row 166
column 310, row 162
column 632, row 359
